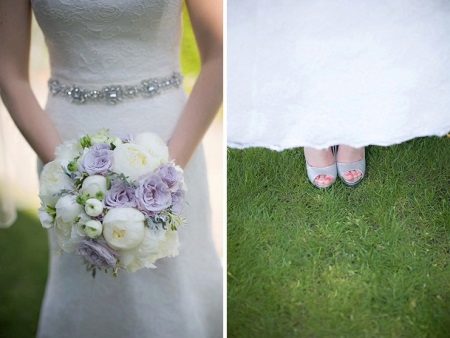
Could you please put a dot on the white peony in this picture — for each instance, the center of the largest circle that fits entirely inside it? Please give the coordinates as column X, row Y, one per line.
column 46, row 219
column 93, row 228
column 51, row 181
column 169, row 246
column 153, row 247
column 102, row 136
column 133, row 160
column 67, row 151
column 93, row 207
column 67, row 235
column 141, row 256
column 67, row 208
column 123, row 228
column 93, row 185
column 155, row 146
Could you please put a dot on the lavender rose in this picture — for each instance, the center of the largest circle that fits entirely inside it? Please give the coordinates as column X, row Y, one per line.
column 152, row 194
column 120, row 195
column 97, row 254
column 172, row 176
column 98, row 159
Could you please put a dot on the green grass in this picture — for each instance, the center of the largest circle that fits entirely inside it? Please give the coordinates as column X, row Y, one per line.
column 370, row 261
column 23, row 272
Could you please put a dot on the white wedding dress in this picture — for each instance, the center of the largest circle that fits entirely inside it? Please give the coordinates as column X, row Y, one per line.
column 103, row 42
column 326, row 72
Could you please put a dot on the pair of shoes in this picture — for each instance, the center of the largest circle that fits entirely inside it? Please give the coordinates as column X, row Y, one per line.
column 337, row 169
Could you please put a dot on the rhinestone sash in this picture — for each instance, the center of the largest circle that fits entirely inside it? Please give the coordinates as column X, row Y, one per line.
column 113, row 94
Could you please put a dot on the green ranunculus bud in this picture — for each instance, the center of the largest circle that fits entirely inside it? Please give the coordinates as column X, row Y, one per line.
column 85, row 141
column 72, row 166
column 82, row 198
column 92, row 228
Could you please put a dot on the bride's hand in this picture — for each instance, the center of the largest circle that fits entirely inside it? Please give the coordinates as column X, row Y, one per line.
column 206, row 96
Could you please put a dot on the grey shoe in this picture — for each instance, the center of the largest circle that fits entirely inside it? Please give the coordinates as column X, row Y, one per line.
column 343, row 167
column 313, row 172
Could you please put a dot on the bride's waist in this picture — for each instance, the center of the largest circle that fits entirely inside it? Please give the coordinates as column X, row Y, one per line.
column 158, row 115
column 106, row 73
column 113, row 92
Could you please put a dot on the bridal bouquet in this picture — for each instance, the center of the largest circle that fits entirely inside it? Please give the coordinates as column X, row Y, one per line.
column 115, row 202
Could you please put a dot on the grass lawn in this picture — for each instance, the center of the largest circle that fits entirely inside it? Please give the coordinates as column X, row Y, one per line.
column 23, row 272
column 370, row 261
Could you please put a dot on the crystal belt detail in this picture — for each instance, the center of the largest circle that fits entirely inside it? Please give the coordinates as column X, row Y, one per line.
column 113, row 94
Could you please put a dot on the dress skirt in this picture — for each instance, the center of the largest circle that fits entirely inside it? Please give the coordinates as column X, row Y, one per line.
column 326, row 72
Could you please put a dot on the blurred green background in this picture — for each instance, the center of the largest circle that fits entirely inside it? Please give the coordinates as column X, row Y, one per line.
column 24, row 258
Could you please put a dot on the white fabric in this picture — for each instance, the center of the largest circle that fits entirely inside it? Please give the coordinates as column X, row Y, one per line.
column 122, row 42
column 325, row 72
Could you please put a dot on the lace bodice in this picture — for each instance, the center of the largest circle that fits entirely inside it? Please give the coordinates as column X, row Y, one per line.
column 104, row 41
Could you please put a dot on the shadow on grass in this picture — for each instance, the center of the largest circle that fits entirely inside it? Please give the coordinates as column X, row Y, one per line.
column 23, row 273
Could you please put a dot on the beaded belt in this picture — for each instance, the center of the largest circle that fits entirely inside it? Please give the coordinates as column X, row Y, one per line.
column 113, row 94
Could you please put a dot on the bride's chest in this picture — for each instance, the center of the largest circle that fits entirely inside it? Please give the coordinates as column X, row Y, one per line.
column 104, row 16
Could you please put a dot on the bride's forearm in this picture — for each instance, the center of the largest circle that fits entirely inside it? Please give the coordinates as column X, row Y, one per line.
column 15, row 89
column 33, row 122
column 206, row 96
column 200, row 109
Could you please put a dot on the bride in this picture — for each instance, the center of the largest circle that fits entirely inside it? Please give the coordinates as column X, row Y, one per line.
column 101, row 44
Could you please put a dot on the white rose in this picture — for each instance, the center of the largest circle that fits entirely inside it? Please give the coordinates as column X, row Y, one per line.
column 102, row 136
column 46, row 219
column 155, row 145
column 67, row 208
column 133, row 160
column 123, row 228
column 51, row 181
column 67, row 151
column 93, row 228
column 153, row 247
column 93, row 207
column 93, row 185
